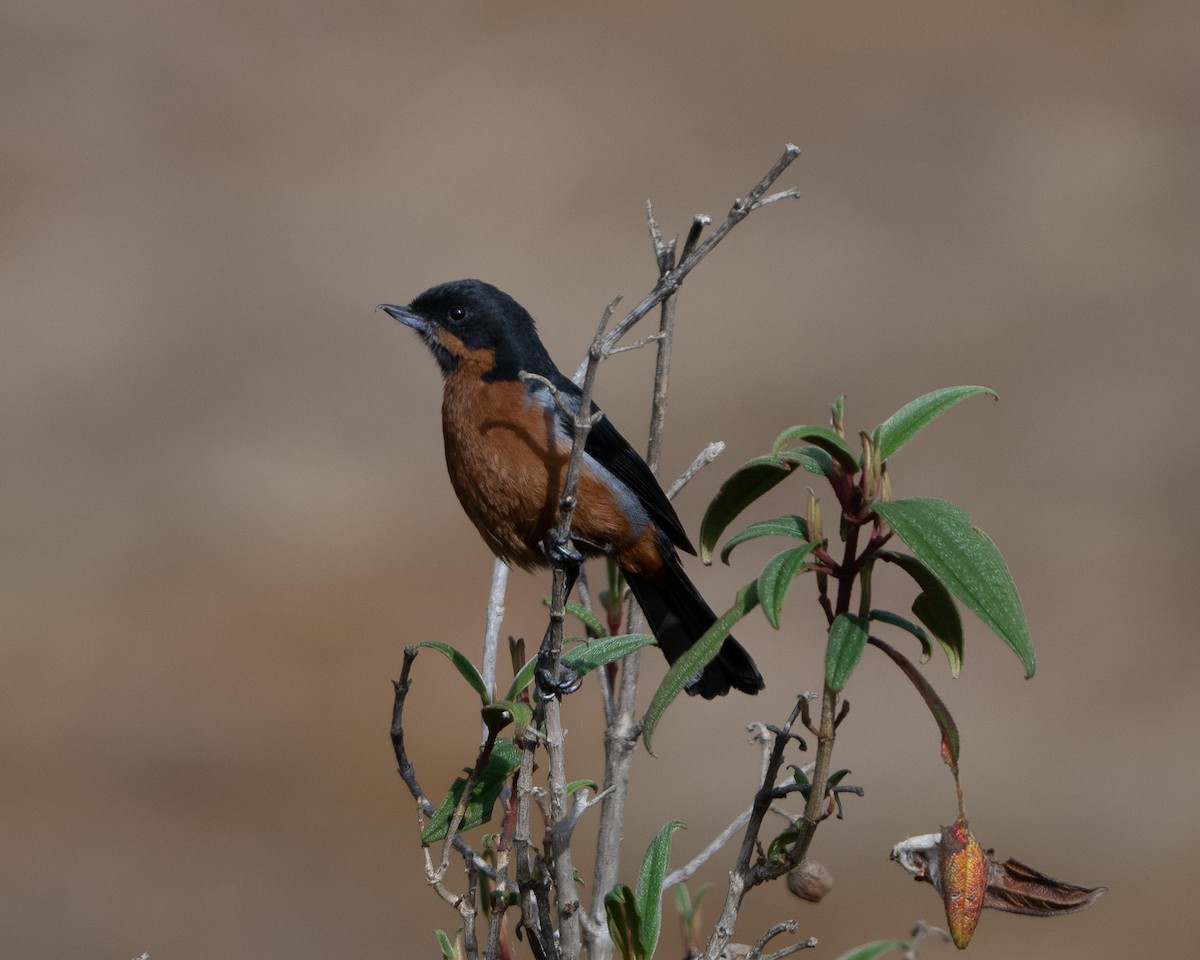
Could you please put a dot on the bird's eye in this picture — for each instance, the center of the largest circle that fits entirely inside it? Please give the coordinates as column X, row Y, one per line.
column 457, row 314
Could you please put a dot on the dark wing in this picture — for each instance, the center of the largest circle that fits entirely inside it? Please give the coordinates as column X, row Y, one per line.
column 606, row 445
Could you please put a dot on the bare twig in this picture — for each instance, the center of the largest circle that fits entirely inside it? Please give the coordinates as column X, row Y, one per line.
column 495, row 620
column 623, row 728
column 670, row 281
column 742, row 877
column 920, row 932
column 787, row 926
column 703, row 459
column 408, row 773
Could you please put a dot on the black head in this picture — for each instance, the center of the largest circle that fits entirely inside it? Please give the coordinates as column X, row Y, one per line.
column 469, row 321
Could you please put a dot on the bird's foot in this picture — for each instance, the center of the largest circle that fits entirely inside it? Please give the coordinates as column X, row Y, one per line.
column 562, row 553
column 553, row 685
column 551, row 682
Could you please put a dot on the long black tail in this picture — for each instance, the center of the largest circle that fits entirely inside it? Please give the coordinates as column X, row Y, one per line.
column 678, row 617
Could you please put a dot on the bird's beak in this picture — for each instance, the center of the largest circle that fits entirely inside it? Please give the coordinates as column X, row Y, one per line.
column 405, row 316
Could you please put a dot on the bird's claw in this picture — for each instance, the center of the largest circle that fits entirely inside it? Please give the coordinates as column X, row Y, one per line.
column 561, row 552
column 555, row 684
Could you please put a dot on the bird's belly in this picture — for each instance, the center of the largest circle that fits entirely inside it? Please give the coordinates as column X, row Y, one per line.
column 508, row 470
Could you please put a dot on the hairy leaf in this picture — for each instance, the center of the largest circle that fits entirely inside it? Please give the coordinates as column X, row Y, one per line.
column 847, row 638
column 597, row 653
column 913, row 417
column 790, row 525
column 934, row 606
column 828, row 440
column 885, row 616
column 776, row 576
column 505, row 758
column 696, row 659
column 650, row 886
column 523, row 679
column 462, row 665
column 966, row 560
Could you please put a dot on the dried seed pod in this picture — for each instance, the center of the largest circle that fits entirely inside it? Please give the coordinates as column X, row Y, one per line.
column 810, row 880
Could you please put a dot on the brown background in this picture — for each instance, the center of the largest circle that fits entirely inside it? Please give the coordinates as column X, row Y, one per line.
column 224, row 507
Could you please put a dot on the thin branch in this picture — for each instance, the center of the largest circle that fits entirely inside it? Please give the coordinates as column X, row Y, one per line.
column 787, row 926
column 743, row 876
column 623, row 729
column 408, row 773
column 703, row 459
column 670, row 281
column 569, row 937
column 495, row 620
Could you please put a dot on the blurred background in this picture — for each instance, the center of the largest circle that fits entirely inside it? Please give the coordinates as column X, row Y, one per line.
column 224, row 509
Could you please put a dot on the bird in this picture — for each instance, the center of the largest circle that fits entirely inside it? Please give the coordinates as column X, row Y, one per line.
column 507, row 442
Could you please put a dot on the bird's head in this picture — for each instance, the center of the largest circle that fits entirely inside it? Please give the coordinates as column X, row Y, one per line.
column 472, row 322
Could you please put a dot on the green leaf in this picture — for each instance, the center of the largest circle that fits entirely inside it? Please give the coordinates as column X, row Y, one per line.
column 847, row 638
column 590, row 621
column 913, row 417
column 876, row 948
column 500, row 713
column 523, row 679
column 941, row 713
column 836, row 411
column 462, row 665
column 813, row 459
column 788, row 526
column 696, row 659
column 650, row 886
column 829, row 441
column 934, row 607
column 780, row 844
column 776, row 576
column 966, row 560
column 745, row 485
column 505, row 758
column 597, row 653
column 835, row 778
column 885, row 616
column 624, row 924
column 579, row 785
column 448, row 950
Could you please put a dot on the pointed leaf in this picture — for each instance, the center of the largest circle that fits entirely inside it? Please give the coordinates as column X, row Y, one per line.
column 597, row 653
column 462, row 665
column 523, row 679
column 934, row 607
column 876, row 948
column 913, row 417
column 787, row 526
column 505, row 758
column 941, row 713
column 623, row 922
column 966, row 560
column 650, row 885
column 745, row 485
column 590, row 621
column 847, row 638
column 777, row 576
column 448, row 950
column 825, row 438
column 575, row 785
column 813, row 459
column 884, row 616
column 687, row 667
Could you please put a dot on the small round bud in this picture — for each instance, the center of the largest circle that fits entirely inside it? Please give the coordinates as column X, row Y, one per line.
column 810, row 881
